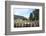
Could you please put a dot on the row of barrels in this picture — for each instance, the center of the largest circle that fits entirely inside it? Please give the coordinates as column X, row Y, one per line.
column 35, row 24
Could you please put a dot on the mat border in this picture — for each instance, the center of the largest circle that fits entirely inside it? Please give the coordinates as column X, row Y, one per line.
column 7, row 17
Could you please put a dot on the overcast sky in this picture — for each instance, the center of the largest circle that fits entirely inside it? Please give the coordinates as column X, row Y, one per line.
column 23, row 12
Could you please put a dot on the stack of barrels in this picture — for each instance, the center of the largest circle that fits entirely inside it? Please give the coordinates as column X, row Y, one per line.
column 32, row 24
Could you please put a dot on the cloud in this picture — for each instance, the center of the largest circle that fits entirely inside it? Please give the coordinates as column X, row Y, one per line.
column 23, row 12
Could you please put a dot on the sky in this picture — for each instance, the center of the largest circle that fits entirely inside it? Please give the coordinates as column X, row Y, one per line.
column 23, row 12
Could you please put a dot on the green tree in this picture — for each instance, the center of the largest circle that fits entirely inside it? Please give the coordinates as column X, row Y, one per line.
column 36, row 14
column 31, row 16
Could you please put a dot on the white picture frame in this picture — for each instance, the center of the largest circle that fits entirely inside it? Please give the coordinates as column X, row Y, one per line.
column 10, row 5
